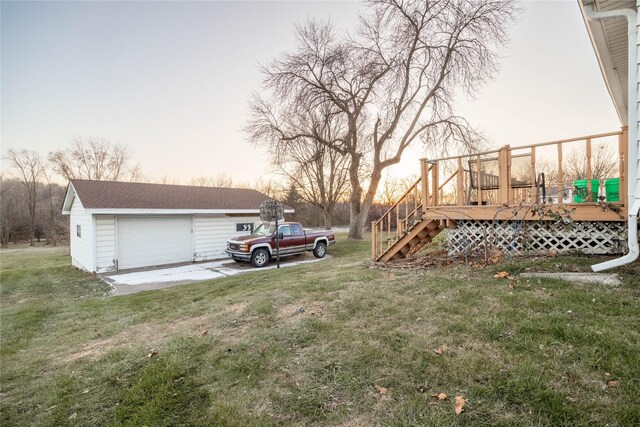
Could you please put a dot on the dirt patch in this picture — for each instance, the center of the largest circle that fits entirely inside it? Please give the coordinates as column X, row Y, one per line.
column 292, row 312
column 149, row 333
column 236, row 308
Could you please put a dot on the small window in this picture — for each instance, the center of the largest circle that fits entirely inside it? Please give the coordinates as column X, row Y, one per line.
column 285, row 230
column 78, row 230
column 297, row 230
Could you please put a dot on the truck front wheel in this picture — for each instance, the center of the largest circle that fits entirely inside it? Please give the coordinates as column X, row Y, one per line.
column 320, row 250
column 260, row 258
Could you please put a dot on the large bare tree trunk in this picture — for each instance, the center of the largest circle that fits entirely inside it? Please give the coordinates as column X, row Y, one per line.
column 359, row 208
column 326, row 215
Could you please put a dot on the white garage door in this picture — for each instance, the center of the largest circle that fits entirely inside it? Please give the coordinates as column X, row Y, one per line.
column 145, row 242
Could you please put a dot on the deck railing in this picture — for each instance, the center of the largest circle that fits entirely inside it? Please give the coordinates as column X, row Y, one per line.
column 510, row 176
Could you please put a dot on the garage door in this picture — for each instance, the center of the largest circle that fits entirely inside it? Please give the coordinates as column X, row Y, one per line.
column 144, row 242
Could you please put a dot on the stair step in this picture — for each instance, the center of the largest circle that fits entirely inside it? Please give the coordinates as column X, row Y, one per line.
column 418, row 235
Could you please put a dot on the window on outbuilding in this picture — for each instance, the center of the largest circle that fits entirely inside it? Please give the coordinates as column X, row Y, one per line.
column 78, row 230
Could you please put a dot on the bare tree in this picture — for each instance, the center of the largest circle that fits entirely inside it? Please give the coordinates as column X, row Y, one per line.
column 13, row 204
column 95, row 158
column 320, row 174
column 604, row 163
column 52, row 226
column 220, row 180
column 393, row 83
column 29, row 167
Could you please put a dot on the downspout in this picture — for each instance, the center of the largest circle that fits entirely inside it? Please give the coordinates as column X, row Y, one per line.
column 633, row 193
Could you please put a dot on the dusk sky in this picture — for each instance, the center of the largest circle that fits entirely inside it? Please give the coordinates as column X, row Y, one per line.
column 172, row 80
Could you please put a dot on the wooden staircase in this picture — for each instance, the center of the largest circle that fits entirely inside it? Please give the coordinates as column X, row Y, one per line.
column 415, row 238
column 402, row 230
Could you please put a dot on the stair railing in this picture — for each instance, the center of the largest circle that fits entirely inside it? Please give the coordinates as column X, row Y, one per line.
column 397, row 220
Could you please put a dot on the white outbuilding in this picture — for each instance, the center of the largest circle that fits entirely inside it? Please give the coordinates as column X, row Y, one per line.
column 123, row 225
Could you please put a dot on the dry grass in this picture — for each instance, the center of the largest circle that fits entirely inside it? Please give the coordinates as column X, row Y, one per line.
column 531, row 354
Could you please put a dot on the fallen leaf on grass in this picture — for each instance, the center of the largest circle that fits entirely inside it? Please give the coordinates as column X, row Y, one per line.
column 439, row 351
column 459, row 404
column 205, row 332
column 613, row 383
column 495, row 258
column 501, row 275
column 152, row 353
column 511, row 286
column 552, row 254
column 380, row 390
column 440, row 396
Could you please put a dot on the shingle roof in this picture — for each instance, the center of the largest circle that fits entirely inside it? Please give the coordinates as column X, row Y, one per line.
column 131, row 195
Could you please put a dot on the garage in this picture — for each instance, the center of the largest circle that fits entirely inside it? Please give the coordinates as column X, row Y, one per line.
column 148, row 241
column 123, row 225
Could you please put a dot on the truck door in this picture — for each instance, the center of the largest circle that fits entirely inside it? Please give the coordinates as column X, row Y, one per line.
column 287, row 242
column 299, row 237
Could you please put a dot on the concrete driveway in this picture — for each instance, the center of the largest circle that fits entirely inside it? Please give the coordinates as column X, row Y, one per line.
column 138, row 280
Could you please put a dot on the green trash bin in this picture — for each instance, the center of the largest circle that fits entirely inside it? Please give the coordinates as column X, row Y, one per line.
column 612, row 187
column 580, row 195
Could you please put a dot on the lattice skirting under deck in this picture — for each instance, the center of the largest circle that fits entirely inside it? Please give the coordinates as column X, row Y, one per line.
column 537, row 237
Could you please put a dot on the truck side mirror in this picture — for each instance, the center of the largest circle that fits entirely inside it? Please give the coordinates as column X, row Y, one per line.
column 280, row 236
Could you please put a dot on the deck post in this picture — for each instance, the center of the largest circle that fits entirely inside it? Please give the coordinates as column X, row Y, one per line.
column 479, row 180
column 560, row 177
column 589, row 184
column 623, row 139
column 503, row 175
column 460, row 184
column 425, row 184
column 435, row 179
column 534, row 178
column 374, row 243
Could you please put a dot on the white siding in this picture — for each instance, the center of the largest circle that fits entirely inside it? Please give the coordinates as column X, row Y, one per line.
column 212, row 232
column 81, row 247
column 149, row 241
column 105, row 243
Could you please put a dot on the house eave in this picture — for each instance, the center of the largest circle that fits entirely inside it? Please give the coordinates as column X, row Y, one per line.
column 602, row 40
column 69, row 195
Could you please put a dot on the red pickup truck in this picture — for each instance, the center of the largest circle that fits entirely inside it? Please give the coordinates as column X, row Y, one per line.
column 260, row 246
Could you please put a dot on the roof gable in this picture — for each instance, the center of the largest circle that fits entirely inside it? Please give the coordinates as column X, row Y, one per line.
column 98, row 195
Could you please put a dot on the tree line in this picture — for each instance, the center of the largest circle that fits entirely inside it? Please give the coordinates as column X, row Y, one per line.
column 31, row 199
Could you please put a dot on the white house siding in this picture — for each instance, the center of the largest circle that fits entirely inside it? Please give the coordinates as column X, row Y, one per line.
column 81, row 247
column 105, row 243
column 637, row 177
column 212, row 232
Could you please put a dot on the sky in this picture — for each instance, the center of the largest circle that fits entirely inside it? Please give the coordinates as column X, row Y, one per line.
column 172, row 80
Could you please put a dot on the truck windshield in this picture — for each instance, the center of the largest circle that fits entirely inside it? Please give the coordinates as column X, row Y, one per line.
column 261, row 230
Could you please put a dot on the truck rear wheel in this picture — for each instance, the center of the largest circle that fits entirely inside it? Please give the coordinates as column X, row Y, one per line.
column 320, row 250
column 260, row 258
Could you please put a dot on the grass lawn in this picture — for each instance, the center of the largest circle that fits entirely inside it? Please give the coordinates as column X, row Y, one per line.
column 306, row 345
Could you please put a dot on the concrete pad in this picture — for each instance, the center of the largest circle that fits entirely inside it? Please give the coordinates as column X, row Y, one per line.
column 599, row 278
column 139, row 280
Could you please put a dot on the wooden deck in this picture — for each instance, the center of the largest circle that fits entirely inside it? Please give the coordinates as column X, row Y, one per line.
column 527, row 183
